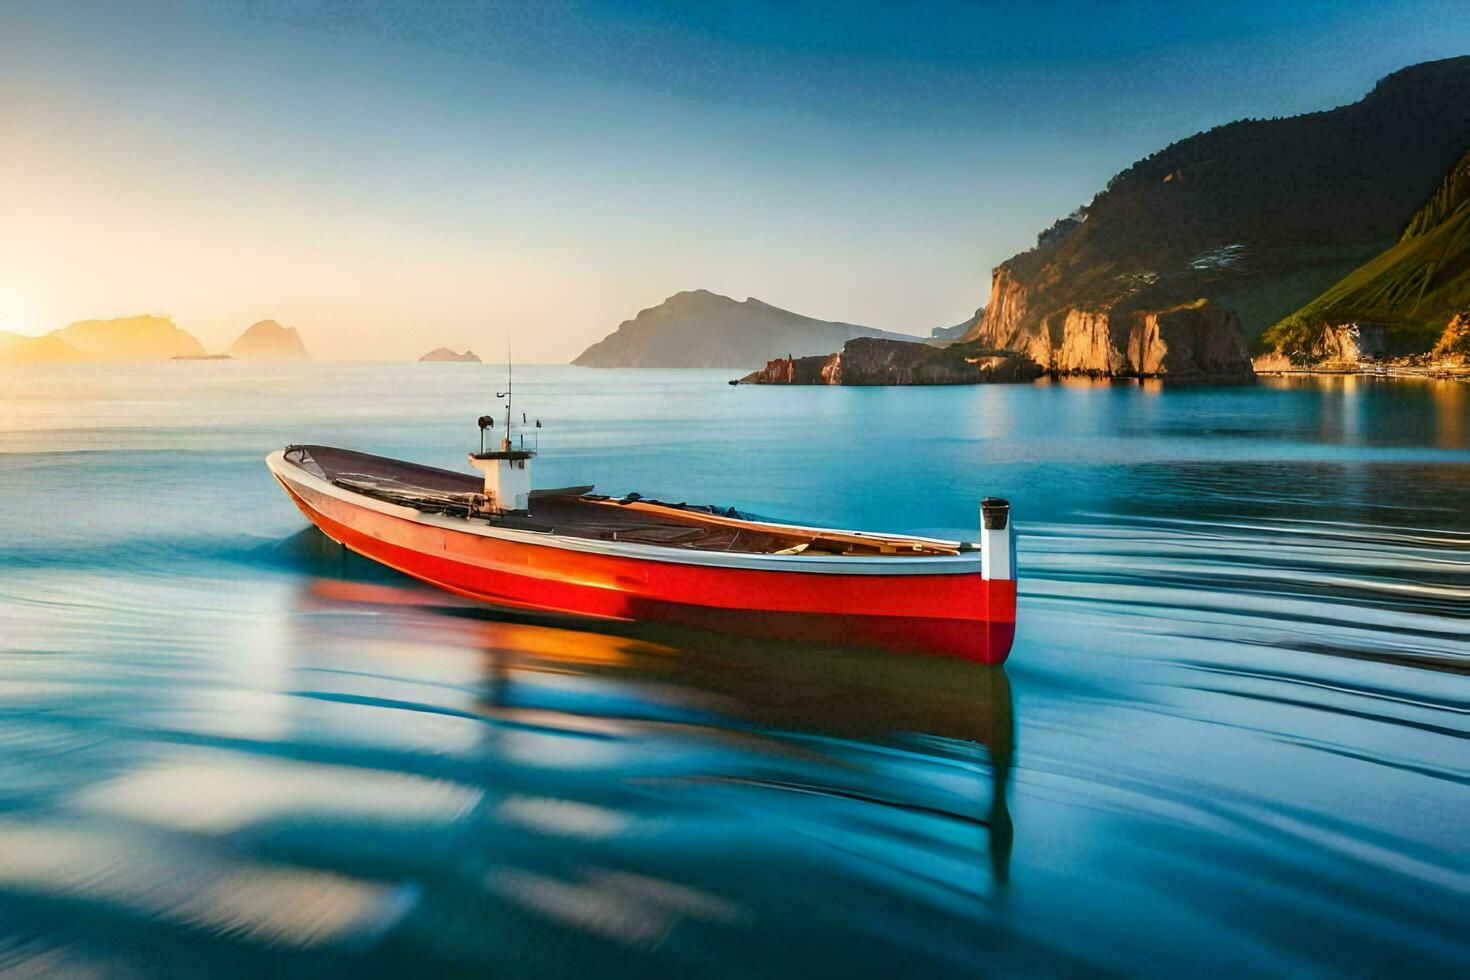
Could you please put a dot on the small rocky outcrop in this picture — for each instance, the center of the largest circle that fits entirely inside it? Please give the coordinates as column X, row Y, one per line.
column 1347, row 345
column 1274, row 362
column 790, row 370
column 445, row 354
column 872, row 361
column 267, row 340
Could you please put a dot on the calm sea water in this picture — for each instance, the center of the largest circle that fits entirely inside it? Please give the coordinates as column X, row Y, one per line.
column 1232, row 735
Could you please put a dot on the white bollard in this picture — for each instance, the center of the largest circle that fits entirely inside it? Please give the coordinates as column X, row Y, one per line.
column 997, row 540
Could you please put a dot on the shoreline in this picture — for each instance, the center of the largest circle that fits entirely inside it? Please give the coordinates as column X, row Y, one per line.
column 1402, row 372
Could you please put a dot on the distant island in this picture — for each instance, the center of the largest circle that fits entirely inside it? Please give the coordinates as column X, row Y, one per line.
column 130, row 338
column 146, row 338
column 701, row 329
column 267, row 340
column 445, row 354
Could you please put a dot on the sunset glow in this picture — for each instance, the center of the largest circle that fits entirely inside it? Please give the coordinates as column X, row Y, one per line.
column 380, row 179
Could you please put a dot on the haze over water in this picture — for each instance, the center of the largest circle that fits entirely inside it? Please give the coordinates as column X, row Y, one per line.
column 1233, row 724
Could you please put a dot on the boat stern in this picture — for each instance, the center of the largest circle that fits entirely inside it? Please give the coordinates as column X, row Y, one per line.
column 998, row 571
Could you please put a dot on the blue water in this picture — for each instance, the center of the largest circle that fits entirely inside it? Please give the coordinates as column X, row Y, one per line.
column 1231, row 737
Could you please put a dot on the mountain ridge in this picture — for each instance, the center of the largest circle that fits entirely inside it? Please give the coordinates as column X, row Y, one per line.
column 702, row 329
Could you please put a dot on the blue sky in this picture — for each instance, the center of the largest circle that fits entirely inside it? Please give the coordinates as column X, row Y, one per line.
column 394, row 177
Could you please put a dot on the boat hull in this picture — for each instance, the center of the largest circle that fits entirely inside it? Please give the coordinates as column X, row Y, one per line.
column 953, row 611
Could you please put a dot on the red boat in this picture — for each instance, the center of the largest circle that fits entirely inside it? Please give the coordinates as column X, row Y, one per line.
column 569, row 550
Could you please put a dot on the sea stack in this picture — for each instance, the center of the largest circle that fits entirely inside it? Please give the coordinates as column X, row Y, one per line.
column 267, row 340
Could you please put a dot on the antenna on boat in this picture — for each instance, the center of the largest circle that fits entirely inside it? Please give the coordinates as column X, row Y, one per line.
column 508, row 395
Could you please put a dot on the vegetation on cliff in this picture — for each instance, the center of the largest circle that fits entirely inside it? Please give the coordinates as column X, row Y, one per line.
column 1412, row 290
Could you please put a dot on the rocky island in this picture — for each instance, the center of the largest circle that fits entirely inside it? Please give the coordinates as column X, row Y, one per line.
column 701, row 329
column 445, row 354
column 267, row 340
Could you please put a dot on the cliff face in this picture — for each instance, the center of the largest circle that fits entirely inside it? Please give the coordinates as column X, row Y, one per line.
column 267, row 340
column 872, row 361
column 1192, row 340
column 704, row 329
column 1258, row 216
column 1198, row 340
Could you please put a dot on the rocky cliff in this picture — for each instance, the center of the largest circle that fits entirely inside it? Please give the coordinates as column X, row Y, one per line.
column 704, row 329
column 1257, row 216
column 1198, row 340
column 267, row 340
column 445, row 354
column 875, row 361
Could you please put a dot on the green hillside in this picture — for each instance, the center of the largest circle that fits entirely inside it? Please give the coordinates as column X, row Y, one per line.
column 1412, row 289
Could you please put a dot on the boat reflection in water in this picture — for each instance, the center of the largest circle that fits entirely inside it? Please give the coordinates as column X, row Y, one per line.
column 679, row 793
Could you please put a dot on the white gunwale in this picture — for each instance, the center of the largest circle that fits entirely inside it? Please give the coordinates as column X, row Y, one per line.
column 967, row 563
